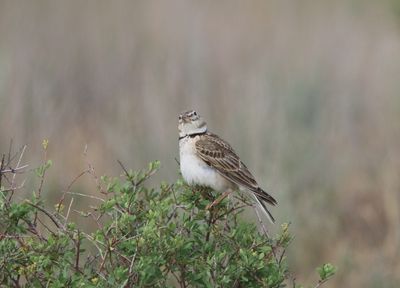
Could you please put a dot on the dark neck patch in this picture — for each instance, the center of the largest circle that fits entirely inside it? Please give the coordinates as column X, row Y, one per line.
column 193, row 135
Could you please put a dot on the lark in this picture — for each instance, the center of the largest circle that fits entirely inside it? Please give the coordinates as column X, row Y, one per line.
column 207, row 160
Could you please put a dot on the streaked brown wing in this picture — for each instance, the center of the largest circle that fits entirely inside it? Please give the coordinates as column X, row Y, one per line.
column 219, row 154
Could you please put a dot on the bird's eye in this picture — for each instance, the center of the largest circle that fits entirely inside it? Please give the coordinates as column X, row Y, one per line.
column 194, row 113
column 180, row 117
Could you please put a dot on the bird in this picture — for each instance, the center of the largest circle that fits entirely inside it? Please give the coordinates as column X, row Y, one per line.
column 209, row 161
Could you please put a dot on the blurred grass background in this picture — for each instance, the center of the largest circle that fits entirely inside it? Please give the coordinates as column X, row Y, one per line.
column 308, row 93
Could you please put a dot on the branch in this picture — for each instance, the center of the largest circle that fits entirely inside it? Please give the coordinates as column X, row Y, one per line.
column 78, row 244
column 68, row 189
column 14, row 170
column 1, row 167
column 126, row 173
column 52, row 218
column 321, row 282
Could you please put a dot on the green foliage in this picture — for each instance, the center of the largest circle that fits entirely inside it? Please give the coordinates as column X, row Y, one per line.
column 326, row 271
column 43, row 168
column 145, row 237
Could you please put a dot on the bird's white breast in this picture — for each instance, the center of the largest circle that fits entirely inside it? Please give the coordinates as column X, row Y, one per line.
column 195, row 171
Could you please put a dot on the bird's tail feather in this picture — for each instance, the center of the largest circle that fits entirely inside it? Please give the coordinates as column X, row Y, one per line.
column 260, row 201
column 264, row 196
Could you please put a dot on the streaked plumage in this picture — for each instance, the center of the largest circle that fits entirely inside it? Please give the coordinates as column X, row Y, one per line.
column 210, row 161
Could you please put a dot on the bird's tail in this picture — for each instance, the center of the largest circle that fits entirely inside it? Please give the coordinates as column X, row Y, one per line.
column 263, row 197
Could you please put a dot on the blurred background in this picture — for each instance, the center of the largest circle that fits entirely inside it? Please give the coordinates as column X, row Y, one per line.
column 307, row 92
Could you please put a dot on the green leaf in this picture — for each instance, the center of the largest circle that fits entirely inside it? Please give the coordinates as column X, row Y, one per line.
column 326, row 271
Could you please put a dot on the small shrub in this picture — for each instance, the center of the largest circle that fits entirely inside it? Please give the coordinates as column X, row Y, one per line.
column 144, row 237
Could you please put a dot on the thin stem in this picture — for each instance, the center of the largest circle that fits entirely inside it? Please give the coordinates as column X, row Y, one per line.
column 66, row 191
column 78, row 244
column 321, row 282
column 52, row 218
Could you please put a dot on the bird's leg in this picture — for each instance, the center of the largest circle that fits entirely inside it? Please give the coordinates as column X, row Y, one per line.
column 218, row 200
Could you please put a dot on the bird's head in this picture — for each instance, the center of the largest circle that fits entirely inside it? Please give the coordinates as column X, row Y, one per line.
column 190, row 122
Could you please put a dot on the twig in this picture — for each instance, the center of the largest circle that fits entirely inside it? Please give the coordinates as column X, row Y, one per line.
column 176, row 277
column 10, row 276
column 131, row 273
column 146, row 176
column 45, row 226
column 108, row 246
column 2, row 236
column 9, row 151
column 321, row 282
column 1, row 167
column 68, row 189
column 78, row 244
column 10, row 159
column 86, row 195
column 281, row 257
column 126, row 173
column 209, row 222
column 41, row 183
column 92, row 172
column 18, row 167
column 93, row 241
column 293, row 280
column 52, row 218
column 69, row 209
column 231, row 210
column 16, row 188
column 33, row 230
column 14, row 170
column 183, row 276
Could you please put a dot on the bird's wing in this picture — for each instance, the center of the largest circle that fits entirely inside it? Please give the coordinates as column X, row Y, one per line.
column 219, row 154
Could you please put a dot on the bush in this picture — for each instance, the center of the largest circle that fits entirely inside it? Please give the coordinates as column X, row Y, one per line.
column 145, row 237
